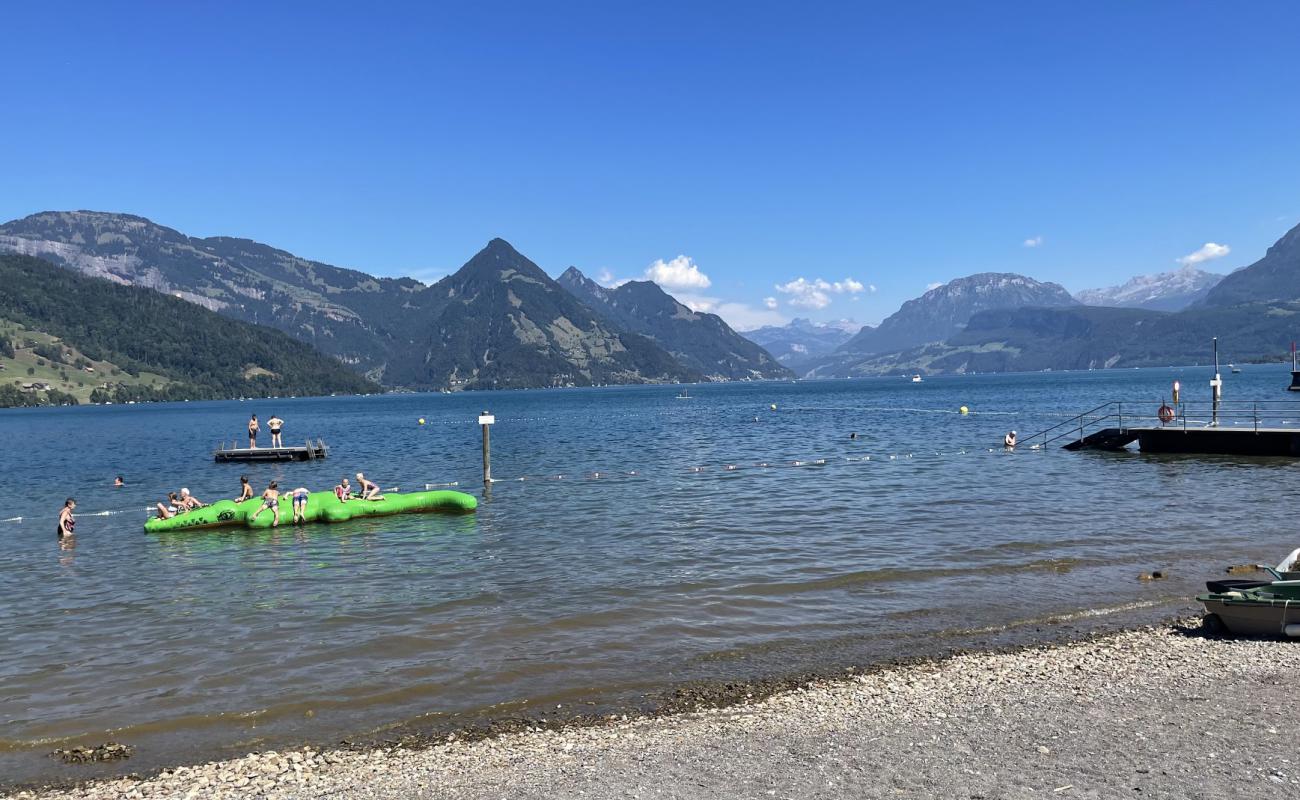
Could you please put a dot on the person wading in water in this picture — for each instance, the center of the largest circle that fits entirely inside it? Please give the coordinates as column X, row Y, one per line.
column 67, row 522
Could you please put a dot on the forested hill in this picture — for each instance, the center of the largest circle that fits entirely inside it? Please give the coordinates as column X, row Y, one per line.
column 196, row 353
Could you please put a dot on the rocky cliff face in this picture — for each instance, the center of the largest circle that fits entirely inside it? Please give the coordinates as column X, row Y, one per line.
column 1167, row 291
column 701, row 342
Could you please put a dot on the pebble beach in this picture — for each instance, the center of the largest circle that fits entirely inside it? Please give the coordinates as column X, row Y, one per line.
column 1157, row 711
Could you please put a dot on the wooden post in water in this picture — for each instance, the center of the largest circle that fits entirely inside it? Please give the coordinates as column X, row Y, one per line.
column 485, row 419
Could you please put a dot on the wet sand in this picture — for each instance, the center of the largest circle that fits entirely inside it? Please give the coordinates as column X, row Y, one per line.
column 1155, row 712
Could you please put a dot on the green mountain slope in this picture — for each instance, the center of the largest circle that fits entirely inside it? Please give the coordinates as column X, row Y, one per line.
column 702, row 342
column 501, row 322
column 197, row 353
column 345, row 313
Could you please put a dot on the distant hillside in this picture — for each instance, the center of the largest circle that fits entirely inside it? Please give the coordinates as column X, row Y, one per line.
column 345, row 313
column 701, row 342
column 195, row 353
column 1274, row 278
column 801, row 341
column 1167, row 291
column 939, row 314
column 501, row 322
column 944, row 310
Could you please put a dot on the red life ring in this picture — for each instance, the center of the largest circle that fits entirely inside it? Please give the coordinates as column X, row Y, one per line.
column 1166, row 414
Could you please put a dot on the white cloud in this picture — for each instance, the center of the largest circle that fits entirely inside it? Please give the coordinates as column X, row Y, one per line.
column 680, row 273
column 742, row 317
column 605, row 278
column 817, row 292
column 1208, row 252
column 1036, row 241
column 770, row 303
column 696, row 302
column 935, row 285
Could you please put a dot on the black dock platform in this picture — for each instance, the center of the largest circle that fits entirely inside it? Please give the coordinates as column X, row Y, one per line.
column 308, row 452
column 1205, row 441
column 1240, row 428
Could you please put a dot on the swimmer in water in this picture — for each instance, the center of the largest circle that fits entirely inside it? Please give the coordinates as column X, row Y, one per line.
column 118, row 482
column 1009, row 441
column 67, row 522
column 245, row 489
column 271, row 500
column 300, row 496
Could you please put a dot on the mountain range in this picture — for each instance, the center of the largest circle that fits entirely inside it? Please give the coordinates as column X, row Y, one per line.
column 701, row 342
column 1167, row 291
column 498, row 322
column 801, row 342
column 1254, row 312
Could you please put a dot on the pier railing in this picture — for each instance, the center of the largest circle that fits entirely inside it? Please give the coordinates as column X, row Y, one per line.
column 1124, row 414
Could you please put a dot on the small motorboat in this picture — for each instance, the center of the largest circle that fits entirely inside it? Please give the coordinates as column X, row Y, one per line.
column 1256, row 608
column 1253, row 608
column 916, row 379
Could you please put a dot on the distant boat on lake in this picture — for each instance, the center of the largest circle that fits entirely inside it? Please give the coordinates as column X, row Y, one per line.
column 685, row 394
column 916, row 379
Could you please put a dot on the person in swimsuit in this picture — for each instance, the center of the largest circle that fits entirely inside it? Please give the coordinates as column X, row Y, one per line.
column 275, row 424
column 245, row 489
column 118, row 482
column 171, row 508
column 343, row 491
column 369, row 490
column 300, row 496
column 271, row 500
column 252, row 432
column 189, row 502
column 1009, row 441
column 67, row 522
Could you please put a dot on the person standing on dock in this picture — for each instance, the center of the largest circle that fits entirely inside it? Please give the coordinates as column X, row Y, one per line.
column 275, row 424
column 67, row 522
column 253, row 427
column 271, row 500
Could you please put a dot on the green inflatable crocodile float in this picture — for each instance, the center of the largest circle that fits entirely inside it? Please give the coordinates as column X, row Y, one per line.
column 321, row 507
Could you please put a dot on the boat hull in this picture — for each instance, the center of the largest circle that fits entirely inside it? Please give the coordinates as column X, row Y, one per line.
column 1254, row 618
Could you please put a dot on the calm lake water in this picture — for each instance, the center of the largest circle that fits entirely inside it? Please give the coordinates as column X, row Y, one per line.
column 635, row 540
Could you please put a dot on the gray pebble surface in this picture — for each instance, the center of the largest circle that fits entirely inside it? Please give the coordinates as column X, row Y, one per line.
column 1155, row 712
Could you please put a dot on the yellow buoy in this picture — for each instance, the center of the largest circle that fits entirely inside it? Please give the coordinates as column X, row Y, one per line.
column 421, row 420
column 965, row 410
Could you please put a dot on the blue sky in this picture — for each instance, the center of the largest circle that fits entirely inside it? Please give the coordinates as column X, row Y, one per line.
column 858, row 146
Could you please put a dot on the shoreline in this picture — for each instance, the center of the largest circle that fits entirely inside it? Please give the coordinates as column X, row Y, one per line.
column 1107, row 675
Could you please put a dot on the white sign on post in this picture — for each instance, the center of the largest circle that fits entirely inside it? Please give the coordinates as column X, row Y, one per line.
column 486, row 419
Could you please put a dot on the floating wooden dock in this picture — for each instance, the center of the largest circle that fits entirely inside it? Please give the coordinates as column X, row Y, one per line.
column 308, row 452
